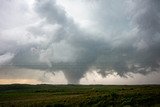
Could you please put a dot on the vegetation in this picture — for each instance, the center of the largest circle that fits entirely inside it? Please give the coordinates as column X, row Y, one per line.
column 17, row 95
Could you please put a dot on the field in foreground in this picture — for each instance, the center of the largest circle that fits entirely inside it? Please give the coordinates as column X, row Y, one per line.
column 17, row 95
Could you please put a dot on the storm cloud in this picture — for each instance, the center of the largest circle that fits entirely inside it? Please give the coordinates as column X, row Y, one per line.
column 123, row 37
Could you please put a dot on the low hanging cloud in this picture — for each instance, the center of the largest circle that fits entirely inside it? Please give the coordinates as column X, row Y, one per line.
column 123, row 43
column 5, row 58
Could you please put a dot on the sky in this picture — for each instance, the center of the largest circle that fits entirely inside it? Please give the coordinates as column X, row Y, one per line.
column 80, row 41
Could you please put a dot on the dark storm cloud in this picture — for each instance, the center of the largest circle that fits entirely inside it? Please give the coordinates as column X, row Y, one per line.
column 85, row 47
column 147, row 19
column 68, row 48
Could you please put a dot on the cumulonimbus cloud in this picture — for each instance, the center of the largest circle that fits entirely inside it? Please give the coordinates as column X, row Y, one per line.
column 58, row 43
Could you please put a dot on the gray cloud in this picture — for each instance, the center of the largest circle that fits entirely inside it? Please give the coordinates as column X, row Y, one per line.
column 146, row 19
column 57, row 43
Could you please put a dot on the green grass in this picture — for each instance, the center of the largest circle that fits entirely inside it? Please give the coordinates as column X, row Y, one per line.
column 79, row 95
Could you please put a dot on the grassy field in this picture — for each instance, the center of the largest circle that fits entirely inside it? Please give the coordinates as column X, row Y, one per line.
column 79, row 95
